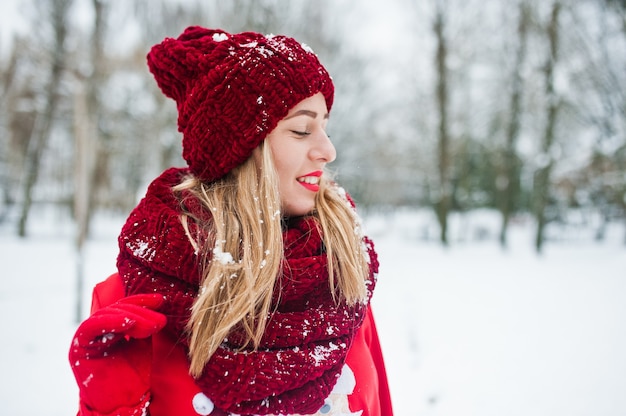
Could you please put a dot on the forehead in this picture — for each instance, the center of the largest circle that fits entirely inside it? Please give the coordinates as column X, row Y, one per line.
column 313, row 106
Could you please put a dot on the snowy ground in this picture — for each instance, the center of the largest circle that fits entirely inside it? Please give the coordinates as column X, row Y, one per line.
column 467, row 331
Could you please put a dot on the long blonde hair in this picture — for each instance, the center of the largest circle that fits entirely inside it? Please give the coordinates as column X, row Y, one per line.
column 243, row 252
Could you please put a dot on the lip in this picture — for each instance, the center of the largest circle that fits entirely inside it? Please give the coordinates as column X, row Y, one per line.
column 313, row 187
column 316, row 173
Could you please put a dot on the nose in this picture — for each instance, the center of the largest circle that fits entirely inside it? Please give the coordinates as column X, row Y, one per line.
column 323, row 150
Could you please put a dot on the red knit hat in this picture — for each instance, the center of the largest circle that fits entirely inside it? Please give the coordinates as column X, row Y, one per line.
column 231, row 90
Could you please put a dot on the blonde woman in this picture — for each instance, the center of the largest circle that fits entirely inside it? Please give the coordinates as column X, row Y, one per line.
column 243, row 281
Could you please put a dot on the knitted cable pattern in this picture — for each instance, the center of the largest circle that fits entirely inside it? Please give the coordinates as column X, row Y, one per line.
column 231, row 90
column 306, row 340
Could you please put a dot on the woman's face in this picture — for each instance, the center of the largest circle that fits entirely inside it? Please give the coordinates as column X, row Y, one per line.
column 301, row 149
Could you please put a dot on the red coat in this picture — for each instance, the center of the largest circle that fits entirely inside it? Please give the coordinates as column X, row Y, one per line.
column 361, row 388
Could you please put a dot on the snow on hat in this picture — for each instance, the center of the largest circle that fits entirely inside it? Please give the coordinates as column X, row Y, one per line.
column 231, row 90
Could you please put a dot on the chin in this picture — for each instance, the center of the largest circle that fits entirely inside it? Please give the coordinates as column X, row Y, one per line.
column 299, row 210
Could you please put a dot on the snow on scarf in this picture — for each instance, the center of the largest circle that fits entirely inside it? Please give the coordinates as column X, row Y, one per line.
column 306, row 340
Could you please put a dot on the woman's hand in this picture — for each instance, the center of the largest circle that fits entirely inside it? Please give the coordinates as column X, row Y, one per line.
column 111, row 355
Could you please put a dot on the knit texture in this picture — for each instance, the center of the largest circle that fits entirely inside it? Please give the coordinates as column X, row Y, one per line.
column 231, row 90
column 307, row 338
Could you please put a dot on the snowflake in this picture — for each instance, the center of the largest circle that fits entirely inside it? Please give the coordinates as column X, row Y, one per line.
column 219, row 37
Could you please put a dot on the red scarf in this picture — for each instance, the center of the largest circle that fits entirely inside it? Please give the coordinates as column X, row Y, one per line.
column 306, row 340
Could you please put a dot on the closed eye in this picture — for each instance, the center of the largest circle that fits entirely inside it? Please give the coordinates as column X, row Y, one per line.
column 301, row 133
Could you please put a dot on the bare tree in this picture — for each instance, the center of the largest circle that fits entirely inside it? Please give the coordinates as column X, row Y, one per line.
column 508, row 184
column 90, row 155
column 82, row 167
column 7, row 81
column 542, row 175
column 44, row 121
column 99, row 147
column 442, row 204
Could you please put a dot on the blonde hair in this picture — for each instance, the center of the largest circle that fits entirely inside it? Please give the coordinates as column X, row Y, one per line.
column 243, row 252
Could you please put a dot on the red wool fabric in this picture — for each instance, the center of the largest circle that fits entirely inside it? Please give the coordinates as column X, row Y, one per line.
column 231, row 90
column 306, row 340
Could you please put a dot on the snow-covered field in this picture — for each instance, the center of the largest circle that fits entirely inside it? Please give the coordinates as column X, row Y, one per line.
column 471, row 330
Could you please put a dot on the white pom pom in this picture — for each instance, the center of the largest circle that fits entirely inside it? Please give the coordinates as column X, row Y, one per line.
column 202, row 404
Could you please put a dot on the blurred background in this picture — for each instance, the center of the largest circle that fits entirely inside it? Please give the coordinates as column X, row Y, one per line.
column 483, row 140
column 516, row 106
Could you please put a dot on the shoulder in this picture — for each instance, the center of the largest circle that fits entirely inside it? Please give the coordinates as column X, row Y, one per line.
column 161, row 186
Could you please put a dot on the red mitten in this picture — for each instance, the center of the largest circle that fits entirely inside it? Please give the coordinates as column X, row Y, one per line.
column 111, row 355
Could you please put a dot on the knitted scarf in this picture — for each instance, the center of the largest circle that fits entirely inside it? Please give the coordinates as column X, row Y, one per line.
column 307, row 338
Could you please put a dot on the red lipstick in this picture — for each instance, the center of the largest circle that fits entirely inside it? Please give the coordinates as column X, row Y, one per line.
column 311, row 181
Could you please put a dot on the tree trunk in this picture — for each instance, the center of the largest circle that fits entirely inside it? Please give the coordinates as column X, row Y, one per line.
column 82, row 168
column 442, row 204
column 8, row 76
column 98, row 159
column 508, row 188
column 45, row 121
column 89, row 156
column 542, row 175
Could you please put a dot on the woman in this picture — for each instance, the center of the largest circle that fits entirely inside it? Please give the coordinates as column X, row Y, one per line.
column 243, row 281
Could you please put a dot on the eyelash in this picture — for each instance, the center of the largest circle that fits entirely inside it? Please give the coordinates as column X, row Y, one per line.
column 300, row 133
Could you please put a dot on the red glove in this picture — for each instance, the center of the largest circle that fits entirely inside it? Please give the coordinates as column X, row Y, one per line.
column 111, row 356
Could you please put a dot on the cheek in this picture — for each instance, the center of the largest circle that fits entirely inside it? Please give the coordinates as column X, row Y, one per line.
column 285, row 166
column 283, row 172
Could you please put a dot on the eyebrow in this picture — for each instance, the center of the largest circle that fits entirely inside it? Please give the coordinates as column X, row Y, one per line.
column 308, row 113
